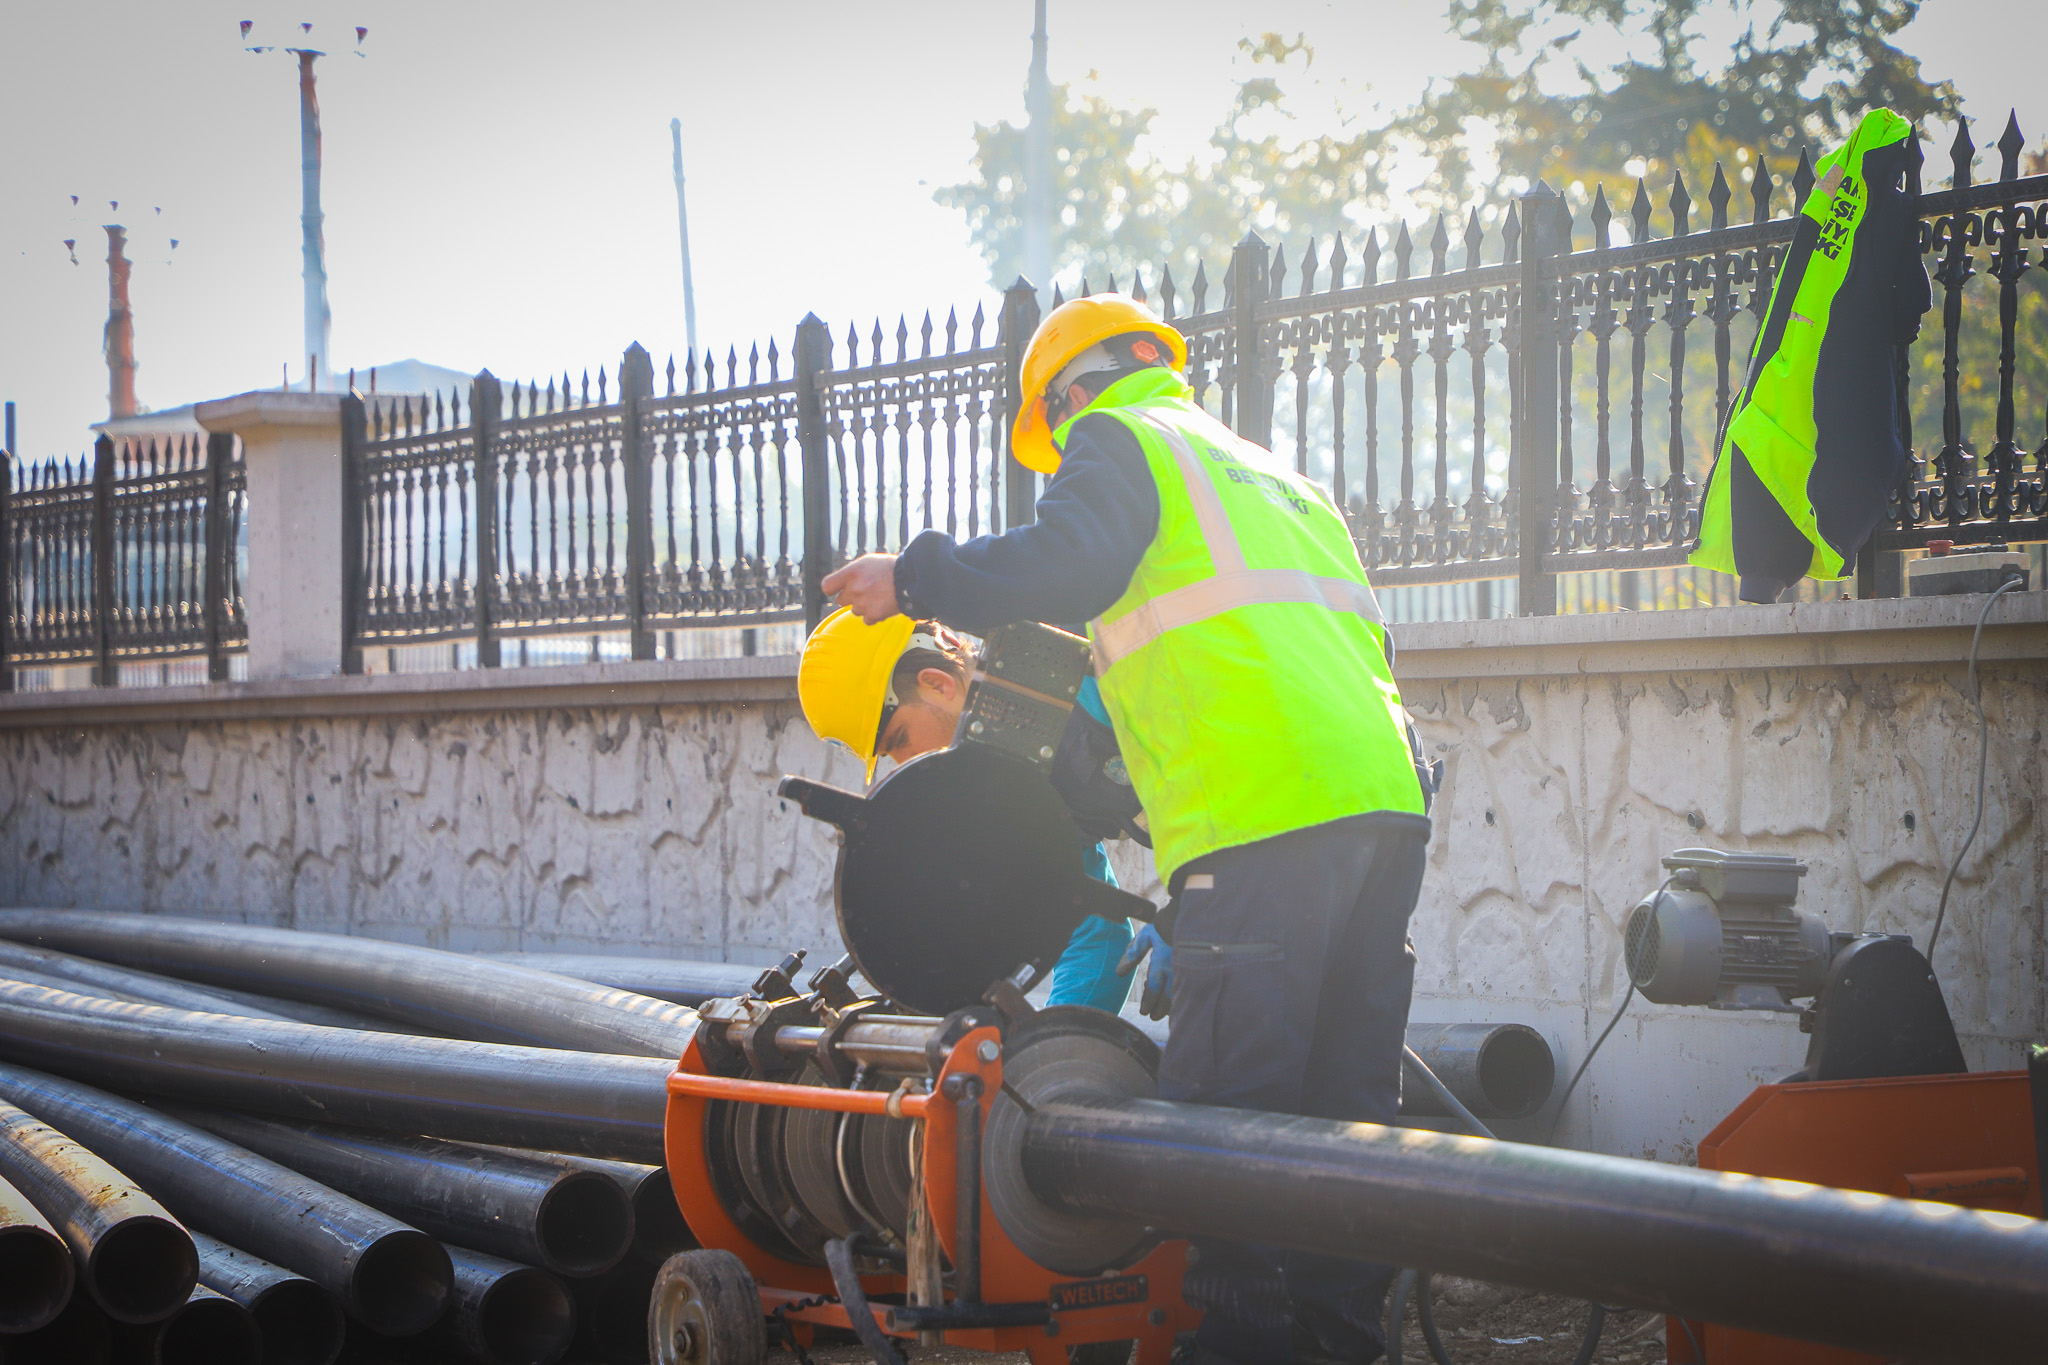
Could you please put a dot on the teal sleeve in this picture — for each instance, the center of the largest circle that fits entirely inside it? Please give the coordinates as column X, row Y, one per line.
column 1089, row 699
column 1086, row 972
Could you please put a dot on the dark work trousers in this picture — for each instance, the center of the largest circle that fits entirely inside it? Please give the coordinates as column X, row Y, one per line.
column 1292, row 972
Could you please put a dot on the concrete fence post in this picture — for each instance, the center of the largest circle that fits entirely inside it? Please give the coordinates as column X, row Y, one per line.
column 293, row 592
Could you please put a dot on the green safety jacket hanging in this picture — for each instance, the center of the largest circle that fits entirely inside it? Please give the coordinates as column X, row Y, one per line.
column 1244, row 668
column 1817, row 438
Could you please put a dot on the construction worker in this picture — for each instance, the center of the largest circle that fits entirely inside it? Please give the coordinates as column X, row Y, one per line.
column 894, row 690
column 1244, row 667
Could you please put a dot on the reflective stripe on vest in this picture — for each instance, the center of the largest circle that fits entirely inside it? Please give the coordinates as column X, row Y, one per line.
column 1231, row 586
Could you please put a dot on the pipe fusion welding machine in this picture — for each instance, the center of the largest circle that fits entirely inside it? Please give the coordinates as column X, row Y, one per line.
column 793, row 1140
column 937, row 1157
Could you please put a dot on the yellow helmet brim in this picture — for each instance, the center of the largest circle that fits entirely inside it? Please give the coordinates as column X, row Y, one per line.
column 1031, row 440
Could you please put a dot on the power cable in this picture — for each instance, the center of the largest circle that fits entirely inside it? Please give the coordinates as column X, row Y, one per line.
column 1983, row 758
column 1417, row 1282
column 1557, row 1119
column 845, row 1279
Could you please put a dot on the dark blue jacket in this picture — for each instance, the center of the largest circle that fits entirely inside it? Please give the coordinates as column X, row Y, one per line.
column 1094, row 523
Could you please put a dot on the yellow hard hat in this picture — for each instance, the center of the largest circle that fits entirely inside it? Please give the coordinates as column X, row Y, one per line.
column 843, row 680
column 1067, row 331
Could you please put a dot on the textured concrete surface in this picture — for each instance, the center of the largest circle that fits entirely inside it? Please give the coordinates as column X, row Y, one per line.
column 1561, row 794
column 631, row 825
column 642, row 828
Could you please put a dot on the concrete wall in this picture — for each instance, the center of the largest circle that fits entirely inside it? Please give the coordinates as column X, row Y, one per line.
column 629, row 808
column 558, row 809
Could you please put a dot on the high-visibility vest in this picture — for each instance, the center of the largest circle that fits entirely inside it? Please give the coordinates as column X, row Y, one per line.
column 1244, row 668
column 1812, row 445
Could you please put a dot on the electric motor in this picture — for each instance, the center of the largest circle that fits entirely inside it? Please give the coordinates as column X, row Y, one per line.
column 1723, row 932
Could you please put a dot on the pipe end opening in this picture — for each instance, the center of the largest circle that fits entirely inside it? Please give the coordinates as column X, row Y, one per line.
column 301, row 1324
column 526, row 1318
column 36, row 1277
column 1516, row 1071
column 585, row 1223
column 659, row 1231
column 143, row 1269
column 210, row 1331
column 401, row 1283
column 611, row 1310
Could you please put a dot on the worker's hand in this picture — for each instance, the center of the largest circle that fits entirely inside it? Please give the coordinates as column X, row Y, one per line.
column 867, row 587
column 1158, row 974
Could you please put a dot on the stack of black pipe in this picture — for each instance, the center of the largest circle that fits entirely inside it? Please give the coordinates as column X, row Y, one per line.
column 226, row 1143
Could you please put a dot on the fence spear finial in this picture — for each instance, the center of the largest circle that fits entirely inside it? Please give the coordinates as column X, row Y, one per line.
column 2010, row 144
column 1718, row 195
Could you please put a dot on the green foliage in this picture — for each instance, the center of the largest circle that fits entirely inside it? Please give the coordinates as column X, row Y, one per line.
column 1117, row 209
column 1804, row 76
column 1535, row 105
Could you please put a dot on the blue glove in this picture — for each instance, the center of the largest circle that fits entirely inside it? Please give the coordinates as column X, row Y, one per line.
column 1158, row 973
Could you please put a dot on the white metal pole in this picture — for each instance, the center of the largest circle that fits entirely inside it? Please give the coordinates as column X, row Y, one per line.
column 1038, row 168
column 675, row 132
column 313, row 243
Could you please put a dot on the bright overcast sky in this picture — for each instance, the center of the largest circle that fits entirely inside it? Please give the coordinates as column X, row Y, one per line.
column 497, row 183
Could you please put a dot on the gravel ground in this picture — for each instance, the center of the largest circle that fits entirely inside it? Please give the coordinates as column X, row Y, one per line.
column 1483, row 1324
column 1480, row 1324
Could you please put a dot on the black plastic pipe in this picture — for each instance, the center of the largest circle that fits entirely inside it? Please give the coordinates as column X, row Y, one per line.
column 1498, row 1071
column 208, row 1329
column 90, row 976
column 36, row 1273
column 85, row 976
column 659, row 1231
column 454, row 994
column 395, row 1278
column 600, row 1104
column 611, row 1313
column 664, row 978
column 80, row 1335
column 300, row 1322
column 131, row 1255
column 503, row 1313
column 1929, row 1282
column 299, row 1011
column 573, row 1222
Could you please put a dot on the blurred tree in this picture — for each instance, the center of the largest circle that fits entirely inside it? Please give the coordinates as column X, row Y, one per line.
column 1118, row 208
column 1797, row 72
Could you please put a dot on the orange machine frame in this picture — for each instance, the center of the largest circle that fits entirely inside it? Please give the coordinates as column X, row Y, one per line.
column 1965, row 1140
column 1007, row 1274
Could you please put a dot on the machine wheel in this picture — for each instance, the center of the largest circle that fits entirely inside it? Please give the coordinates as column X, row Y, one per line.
column 705, row 1310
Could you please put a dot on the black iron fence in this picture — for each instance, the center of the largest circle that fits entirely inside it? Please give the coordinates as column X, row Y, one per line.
column 640, row 507
column 1522, row 396
column 127, row 556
